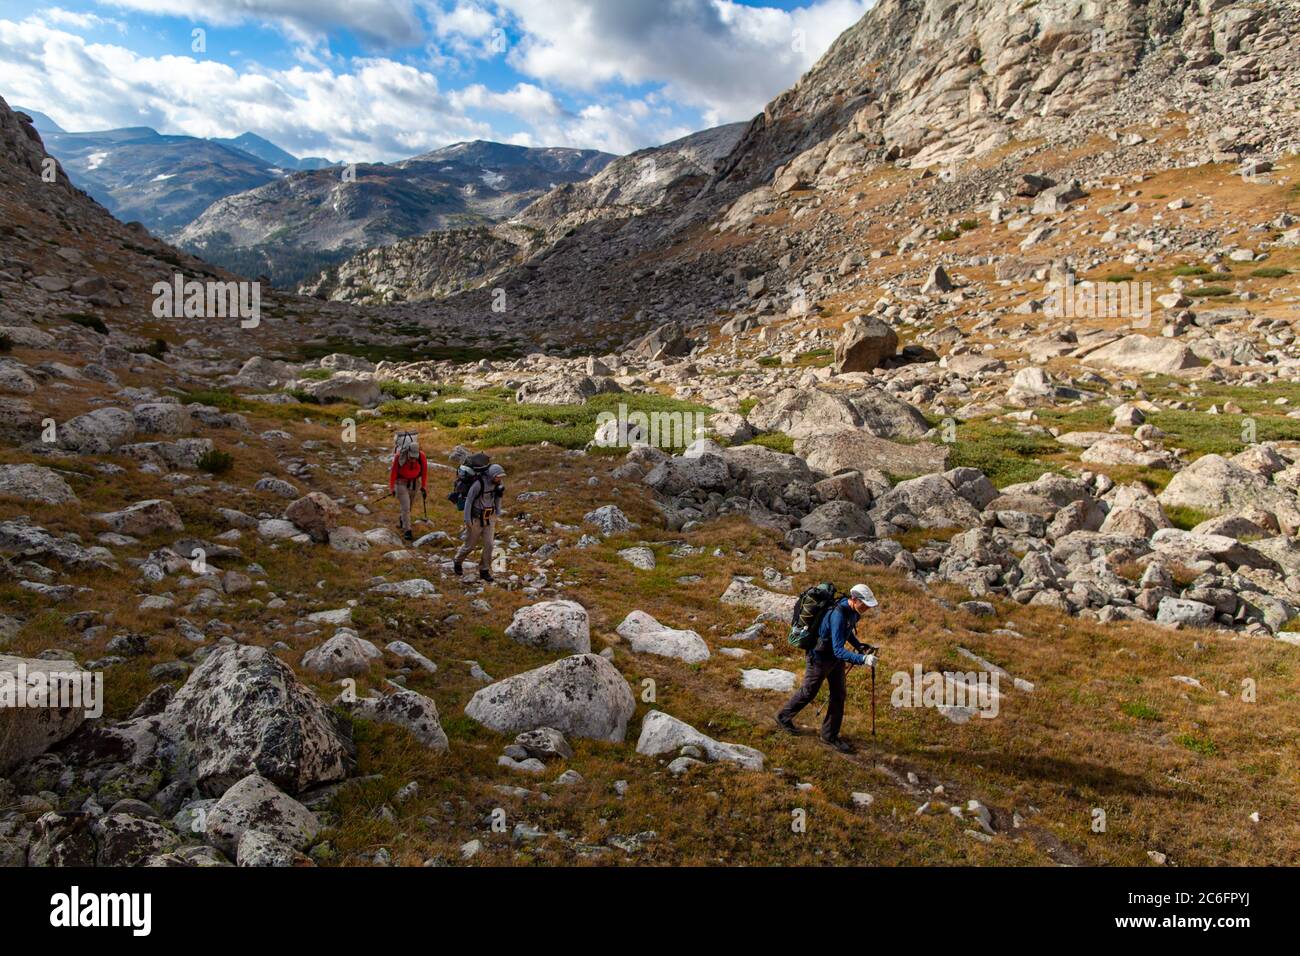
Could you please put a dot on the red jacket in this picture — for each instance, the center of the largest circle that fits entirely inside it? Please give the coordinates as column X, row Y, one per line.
column 409, row 472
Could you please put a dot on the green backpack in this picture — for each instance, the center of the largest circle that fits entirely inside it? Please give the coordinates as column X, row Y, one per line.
column 812, row 606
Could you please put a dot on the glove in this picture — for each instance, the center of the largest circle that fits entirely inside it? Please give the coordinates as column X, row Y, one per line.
column 870, row 661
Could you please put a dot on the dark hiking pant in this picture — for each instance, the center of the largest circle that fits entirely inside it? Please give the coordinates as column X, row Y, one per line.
column 819, row 670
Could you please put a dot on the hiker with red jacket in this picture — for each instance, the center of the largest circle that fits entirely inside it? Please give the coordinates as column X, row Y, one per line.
column 410, row 472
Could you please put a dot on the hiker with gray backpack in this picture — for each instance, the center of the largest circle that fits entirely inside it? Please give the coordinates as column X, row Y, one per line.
column 824, row 627
column 409, row 474
column 478, row 491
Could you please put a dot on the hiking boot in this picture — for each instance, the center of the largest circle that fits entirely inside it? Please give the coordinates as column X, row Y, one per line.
column 486, row 576
column 840, row 744
column 459, row 569
column 788, row 726
column 409, row 536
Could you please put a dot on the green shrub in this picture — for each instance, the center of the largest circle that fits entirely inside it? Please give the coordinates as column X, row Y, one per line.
column 1185, row 519
column 497, row 421
column 1141, row 710
column 1199, row 745
column 1209, row 292
column 156, row 349
column 947, row 235
column 968, row 225
column 777, row 441
column 1006, row 455
column 317, row 374
column 747, row 405
column 302, row 397
column 1191, row 271
column 1120, row 277
column 87, row 321
column 1270, row 272
column 226, row 401
column 216, row 462
column 770, row 361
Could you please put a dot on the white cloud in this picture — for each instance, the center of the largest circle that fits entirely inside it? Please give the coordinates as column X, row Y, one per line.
column 696, row 63
column 722, row 57
column 375, row 109
column 465, row 19
column 381, row 23
column 81, row 21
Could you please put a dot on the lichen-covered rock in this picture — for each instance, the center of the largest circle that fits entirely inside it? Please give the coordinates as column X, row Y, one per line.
column 553, row 625
column 126, row 840
column 243, row 711
column 648, row 636
column 97, row 432
column 582, row 696
column 414, row 712
column 255, row 803
column 34, row 483
column 346, row 654
column 662, row 734
column 26, row 732
column 144, row 518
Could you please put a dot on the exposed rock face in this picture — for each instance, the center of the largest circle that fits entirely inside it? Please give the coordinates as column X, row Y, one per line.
column 144, row 518
column 864, row 345
column 26, row 731
column 1143, row 353
column 838, row 519
column 352, row 389
column 255, row 803
column 554, row 625
column 423, row 268
column 662, row 734
column 242, row 711
column 636, row 183
column 565, row 390
column 676, row 476
column 800, row 413
column 951, row 81
column 344, row 655
column 97, row 432
column 839, row 451
column 1215, row 485
column 772, row 606
column 34, row 483
column 583, row 696
column 648, row 636
column 409, row 710
column 316, row 514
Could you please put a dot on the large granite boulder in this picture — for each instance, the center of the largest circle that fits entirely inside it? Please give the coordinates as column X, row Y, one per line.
column 581, row 696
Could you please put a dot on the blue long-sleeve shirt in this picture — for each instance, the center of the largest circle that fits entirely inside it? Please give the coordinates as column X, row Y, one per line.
column 837, row 631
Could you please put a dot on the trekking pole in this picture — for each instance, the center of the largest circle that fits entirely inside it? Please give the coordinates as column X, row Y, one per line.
column 425, row 495
column 873, row 700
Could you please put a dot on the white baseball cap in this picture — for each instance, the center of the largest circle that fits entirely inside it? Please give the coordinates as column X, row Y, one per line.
column 863, row 593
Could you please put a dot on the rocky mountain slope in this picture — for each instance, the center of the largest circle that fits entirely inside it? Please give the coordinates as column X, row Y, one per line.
column 268, row 152
column 166, row 182
column 285, row 228
column 441, row 264
column 922, row 378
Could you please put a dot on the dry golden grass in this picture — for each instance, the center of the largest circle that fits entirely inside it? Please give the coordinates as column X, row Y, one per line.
column 1175, row 769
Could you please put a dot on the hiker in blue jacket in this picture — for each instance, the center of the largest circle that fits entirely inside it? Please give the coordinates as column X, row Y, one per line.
column 828, row 661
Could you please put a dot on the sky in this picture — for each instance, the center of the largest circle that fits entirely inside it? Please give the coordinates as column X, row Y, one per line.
column 382, row 80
